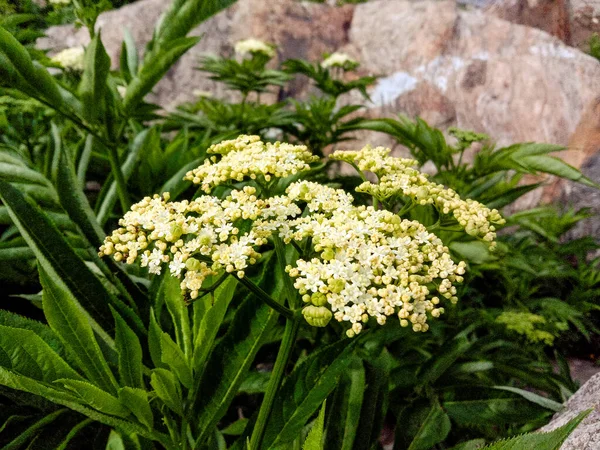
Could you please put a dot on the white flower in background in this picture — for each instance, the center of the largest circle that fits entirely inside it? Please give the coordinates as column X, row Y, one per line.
column 201, row 94
column 122, row 90
column 60, row 2
column 252, row 46
column 338, row 59
column 71, row 59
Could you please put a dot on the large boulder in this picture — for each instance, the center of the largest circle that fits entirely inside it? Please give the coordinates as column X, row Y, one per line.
column 300, row 29
column 587, row 435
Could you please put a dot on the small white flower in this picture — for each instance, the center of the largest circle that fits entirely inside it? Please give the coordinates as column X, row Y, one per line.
column 339, row 60
column 71, row 58
column 254, row 46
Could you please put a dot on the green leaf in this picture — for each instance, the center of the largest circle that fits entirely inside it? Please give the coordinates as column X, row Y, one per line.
column 115, row 441
column 37, row 78
column 129, row 55
column 29, row 355
column 443, row 359
column 544, row 402
column 552, row 440
column 130, row 354
column 304, row 391
column 229, row 362
column 170, row 293
column 57, row 258
column 74, row 431
column 492, row 411
column 172, row 356
column 136, row 401
column 95, row 397
column 93, row 81
column 167, row 388
column 22, row 383
column 107, row 204
column 314, row 440
column 154, row 68
column 421, row 427
column 73, row 200
column 183, row 16
column 32, row 430
column 374, row 404
column 211, row 322
column 154, row 339
column 71, row 325
column 344, row 412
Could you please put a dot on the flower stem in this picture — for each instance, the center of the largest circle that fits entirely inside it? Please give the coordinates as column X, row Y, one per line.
column 286, row 312
column 283, row 356
column 115, row 166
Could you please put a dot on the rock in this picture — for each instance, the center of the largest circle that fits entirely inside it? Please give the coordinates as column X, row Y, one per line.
column 551, row 16
column 513, row 82
column 584, row 21
column 301, row 30
column 587, row 435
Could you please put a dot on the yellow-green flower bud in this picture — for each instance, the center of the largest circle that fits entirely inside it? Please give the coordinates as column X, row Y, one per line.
column 328, row 254
column 193, row 264
column 175, row 232
column 317, row 316
column 337, row 285
column 318, row 299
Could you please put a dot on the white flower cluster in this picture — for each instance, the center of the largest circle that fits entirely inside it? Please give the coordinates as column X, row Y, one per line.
column 71, row 58
column 397, row 176
column 60, row 2
column 252, row 46
column 187, row 235
column 356, row 262
column 341, row 60
column 370, row 263
column 247, row 157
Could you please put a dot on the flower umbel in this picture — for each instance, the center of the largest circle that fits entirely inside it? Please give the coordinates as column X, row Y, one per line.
column 340, row 60
column 70, row 58
column 355, row 264
column 397, row 176
column 254, row 46
column 247, row 157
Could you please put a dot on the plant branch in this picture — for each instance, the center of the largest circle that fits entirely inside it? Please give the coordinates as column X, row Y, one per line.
column 256, row 290
column 283, row 356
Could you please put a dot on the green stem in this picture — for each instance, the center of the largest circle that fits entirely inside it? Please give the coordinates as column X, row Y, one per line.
column 290, row 291
column 286, row 312
column 115, row 168
column 283, row 356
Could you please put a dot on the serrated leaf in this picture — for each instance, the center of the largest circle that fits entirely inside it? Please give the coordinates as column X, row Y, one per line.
column 136, row 401
column 544, row 402
column 154, row 338
column 304, row 391
column 93, row 81
column 154, row 68
column 421, row 428
column 21, row 383
column 72, row 327
column 172, row 356
column 211, row 322
column 29, row 355
column 374, row 404
column 74, row 202
column 167, row 388
column 552, row 440
column 95, row 397
column 130, row 354
column 314, row 440
column 346, row 405
column 492, row 411
column 170, row 293
column 229, row 362
column 58, row 259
